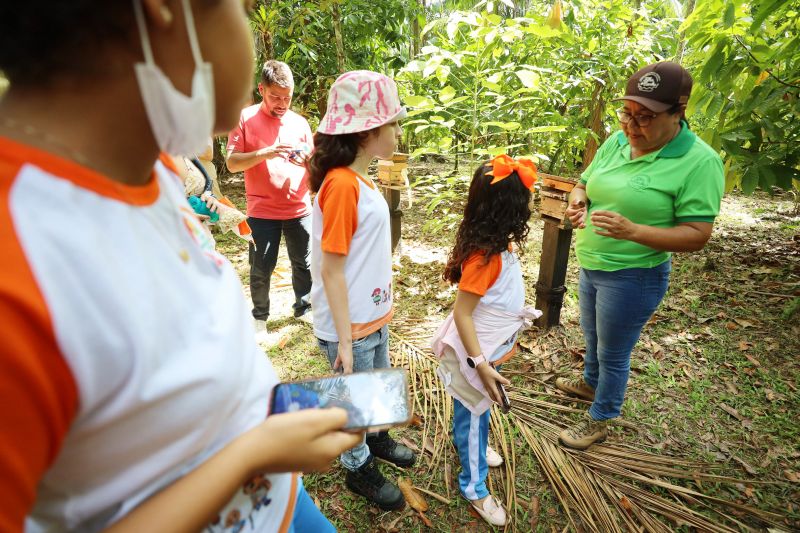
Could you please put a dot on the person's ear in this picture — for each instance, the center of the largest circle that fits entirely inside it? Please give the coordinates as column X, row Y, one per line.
column 158, row 12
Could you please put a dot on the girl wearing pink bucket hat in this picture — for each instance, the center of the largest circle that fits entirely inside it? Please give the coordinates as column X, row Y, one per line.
column 351, row 256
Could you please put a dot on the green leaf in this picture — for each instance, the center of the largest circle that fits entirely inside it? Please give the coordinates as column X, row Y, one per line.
column 546, row 129
column 447, row 94
column 492, row 85
column 418, row 101
column 714, row 62
column 767, row 178
column 714, row 106
column 528, row 78
column 764, row 11
column 750, row 180
column 508, row 126
column 730, row 15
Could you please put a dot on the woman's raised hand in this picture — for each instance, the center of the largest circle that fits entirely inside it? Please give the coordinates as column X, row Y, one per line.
column 576, row 212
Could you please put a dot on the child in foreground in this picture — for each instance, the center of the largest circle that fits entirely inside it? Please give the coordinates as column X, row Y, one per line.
column 489, row 312
column 351, row 254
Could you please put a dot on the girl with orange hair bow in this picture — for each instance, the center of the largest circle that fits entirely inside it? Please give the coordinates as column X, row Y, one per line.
column 489, row 312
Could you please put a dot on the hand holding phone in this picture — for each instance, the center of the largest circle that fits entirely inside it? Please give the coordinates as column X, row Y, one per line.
column 493, row 383
column 373, row 400
column 304, row 441
column 505, row 404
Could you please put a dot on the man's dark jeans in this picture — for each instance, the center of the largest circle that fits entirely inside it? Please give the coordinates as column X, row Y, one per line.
column 264, row 256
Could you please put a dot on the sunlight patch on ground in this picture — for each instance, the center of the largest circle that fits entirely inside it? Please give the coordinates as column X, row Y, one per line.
column 421, row 253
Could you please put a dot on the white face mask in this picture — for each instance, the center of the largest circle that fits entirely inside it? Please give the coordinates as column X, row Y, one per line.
column 181, row 124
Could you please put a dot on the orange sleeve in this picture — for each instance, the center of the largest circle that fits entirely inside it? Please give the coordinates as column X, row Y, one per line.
column 477, row 275
column 38, row 395
column 338, row 201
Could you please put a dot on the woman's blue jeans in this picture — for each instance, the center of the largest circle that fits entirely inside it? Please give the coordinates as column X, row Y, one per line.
column 615, row 306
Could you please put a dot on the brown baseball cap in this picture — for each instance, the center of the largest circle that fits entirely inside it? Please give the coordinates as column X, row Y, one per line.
column 659, row 86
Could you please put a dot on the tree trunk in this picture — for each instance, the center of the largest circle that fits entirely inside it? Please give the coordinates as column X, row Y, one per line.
column 595, row 124
column 337, row 33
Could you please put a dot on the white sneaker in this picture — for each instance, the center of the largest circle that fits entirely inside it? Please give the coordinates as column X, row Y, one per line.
column 262, row 333
column 492, row 511
column 493, row 459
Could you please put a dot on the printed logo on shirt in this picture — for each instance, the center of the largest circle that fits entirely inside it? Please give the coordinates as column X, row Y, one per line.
column 380, row 296
column 240, row 514
column 639, row 182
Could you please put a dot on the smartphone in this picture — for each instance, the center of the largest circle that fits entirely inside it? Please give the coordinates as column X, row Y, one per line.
column 505, row 404
column 374, row 400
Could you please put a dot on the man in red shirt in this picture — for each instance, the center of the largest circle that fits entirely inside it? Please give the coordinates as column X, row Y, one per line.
column 270, row 145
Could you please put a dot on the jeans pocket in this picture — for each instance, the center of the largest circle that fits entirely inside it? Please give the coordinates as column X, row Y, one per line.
column 360, row 343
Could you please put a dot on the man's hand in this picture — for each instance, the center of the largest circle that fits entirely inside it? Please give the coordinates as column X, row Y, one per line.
column 276, row 150
column 614, row 225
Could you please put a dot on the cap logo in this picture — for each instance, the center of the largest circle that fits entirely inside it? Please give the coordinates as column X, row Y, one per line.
column 649, row 82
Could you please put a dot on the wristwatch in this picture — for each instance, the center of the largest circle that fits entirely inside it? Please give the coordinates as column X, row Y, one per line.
column 473, row 362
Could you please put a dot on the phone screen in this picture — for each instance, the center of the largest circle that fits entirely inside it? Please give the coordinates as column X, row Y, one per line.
column 378, row 398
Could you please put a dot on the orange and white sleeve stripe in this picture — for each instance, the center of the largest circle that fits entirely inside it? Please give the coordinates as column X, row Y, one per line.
column 338, row 201
column 478, row 275
column 38, row 394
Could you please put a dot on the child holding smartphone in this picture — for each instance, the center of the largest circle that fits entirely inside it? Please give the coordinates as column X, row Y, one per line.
column 351, row 255
column 481, row 331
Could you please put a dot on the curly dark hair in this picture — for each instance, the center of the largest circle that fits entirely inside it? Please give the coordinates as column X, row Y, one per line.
column 332, row 151
column 495, row 215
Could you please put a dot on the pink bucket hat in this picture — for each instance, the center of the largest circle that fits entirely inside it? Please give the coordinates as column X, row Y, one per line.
column 359, row 101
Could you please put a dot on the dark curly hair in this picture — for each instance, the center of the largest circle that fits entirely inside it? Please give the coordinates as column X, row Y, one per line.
column 332, row 151
column 495, row 215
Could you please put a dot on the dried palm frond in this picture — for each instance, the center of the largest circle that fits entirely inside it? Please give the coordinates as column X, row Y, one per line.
column 614, row 487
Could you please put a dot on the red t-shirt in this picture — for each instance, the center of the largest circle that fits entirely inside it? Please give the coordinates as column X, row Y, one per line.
column 276, row 189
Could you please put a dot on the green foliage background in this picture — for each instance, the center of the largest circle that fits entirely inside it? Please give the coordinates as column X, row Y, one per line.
column 539, row 77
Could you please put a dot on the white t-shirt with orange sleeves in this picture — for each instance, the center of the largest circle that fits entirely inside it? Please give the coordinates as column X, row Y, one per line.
column 350, row 217
column 128, row 355
column 499, row 283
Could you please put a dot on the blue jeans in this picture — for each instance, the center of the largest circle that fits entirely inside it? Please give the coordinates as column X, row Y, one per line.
column 264, row 256
column 307, row 517
column 369, row 352
column 615, row 306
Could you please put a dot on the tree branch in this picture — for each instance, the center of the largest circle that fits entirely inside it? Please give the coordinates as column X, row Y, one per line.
column 767, row 70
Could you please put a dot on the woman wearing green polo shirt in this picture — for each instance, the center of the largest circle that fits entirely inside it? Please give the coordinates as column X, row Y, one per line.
column 652, row 189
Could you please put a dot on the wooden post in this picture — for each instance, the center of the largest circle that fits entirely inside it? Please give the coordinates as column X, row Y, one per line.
column 550, row 286
column 392, row 176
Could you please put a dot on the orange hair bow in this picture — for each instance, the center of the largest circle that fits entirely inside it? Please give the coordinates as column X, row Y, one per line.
column 503, row 166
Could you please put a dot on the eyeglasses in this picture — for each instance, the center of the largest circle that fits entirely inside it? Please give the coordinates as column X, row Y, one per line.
column 640, row 120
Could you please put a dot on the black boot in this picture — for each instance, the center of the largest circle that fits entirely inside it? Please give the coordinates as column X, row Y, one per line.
column 383, row 446
column 370, row 483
